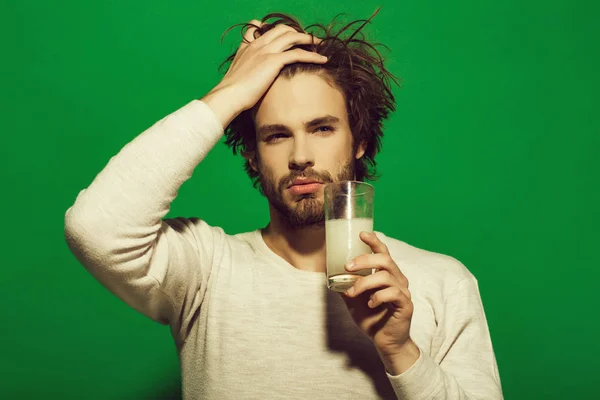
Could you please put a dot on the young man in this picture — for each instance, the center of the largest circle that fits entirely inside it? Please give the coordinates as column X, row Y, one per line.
column 250, row 313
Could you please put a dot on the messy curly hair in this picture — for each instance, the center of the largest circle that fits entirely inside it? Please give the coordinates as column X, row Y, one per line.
column 354, row 65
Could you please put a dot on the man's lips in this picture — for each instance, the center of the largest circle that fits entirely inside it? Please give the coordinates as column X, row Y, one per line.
column 303, row 186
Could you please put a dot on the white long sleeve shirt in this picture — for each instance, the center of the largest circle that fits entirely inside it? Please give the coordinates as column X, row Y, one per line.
column 247, row 324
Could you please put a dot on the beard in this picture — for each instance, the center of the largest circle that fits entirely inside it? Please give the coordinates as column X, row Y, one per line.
column 303, row 210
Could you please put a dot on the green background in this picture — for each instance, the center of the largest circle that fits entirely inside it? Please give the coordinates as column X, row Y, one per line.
column 491, row 158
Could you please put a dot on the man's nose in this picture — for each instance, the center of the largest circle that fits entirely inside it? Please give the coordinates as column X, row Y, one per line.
column 302, row 156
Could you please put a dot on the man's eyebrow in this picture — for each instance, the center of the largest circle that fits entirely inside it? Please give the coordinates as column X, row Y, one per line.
column 264, row 130
column 327, row 119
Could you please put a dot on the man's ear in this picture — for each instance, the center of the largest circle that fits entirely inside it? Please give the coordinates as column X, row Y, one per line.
column 250, row 156
column 360, row 151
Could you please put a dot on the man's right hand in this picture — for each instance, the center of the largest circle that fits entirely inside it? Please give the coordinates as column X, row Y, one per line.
column 256, row 65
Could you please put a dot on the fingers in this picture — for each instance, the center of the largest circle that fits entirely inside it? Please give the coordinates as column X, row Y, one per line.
column 371, row 239
column 249, row 33
column 378, row 280
column 290, row 39
column 279, row 40
column 380, row 261
column 391, row 295
column 274, row 33
column 368, row 261
column 299, row 55
column 283, row 36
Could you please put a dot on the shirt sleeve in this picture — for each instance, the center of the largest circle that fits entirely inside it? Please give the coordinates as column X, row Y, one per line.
column 116, row 228
column 465, row 367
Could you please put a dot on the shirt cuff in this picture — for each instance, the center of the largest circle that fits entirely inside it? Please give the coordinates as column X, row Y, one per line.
column 200, row 118
column 419, row 381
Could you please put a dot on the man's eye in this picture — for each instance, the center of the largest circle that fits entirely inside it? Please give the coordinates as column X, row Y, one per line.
column 325, row 128
column 276, row 136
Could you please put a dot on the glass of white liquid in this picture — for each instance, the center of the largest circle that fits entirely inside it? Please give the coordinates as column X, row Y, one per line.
column 348, row 211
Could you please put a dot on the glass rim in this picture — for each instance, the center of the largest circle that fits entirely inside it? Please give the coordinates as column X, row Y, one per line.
column 339, row 183
column 329, row 190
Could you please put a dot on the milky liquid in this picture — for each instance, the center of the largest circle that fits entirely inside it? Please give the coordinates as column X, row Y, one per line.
column 344, row 244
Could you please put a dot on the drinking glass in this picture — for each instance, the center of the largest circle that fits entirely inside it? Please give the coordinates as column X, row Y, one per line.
column 348, row 211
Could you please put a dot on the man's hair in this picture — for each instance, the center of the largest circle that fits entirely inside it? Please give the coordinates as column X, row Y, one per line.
column 354, row 66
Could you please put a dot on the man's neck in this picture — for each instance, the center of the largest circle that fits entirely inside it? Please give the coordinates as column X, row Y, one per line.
column 303, row 248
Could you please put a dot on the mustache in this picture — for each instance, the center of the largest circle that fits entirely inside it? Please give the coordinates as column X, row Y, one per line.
column 286, row 181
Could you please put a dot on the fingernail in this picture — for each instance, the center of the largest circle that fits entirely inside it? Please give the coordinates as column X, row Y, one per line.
column 350, row 265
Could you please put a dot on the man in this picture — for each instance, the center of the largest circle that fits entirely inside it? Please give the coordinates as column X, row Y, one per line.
column 250, row 313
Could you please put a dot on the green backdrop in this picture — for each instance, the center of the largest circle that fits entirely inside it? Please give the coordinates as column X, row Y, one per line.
column 491, row 158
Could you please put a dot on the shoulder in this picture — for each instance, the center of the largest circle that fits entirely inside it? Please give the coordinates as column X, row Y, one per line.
column 424, row 265
column 202, row 234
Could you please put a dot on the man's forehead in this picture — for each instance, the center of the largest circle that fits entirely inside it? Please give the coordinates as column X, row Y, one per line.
column 299, row 99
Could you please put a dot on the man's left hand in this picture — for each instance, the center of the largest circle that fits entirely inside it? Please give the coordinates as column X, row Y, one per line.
column 381, row 305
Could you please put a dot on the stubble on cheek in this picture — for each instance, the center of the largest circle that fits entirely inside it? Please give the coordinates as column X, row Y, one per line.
column 307, row 209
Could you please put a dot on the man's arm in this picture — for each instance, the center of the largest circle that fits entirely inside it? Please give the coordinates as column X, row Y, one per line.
column 116, row 227
column 465, row 367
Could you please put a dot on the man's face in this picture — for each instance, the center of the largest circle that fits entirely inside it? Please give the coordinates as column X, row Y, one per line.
column 302, row 134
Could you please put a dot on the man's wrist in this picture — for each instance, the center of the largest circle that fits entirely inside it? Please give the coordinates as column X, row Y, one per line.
column 221, row 102
column 399, row 361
